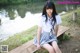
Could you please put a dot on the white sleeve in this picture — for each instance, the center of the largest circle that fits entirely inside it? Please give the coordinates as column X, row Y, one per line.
column 58, row 19
column 40, row 22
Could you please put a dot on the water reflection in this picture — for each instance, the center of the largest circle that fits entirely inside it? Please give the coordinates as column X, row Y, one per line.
column 17, row 25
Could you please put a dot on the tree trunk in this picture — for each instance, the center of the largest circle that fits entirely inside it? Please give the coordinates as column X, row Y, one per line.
column 75, row 13
column 67, row 8
column 0, row 21
column 74, row 16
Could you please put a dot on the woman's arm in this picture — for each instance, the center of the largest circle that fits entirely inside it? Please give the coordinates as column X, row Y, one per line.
column 38, row 34
column 56, row 29
column 58, row 22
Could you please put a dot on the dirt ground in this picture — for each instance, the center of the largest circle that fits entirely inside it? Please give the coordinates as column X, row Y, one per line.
column 72, row 45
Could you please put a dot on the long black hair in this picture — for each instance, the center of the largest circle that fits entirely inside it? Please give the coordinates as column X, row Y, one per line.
column 50, row 5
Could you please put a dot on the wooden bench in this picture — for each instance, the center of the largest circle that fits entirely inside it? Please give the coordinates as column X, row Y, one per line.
column 30, row 48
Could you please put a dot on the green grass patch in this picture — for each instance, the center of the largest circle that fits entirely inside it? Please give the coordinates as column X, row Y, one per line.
column 41, row 51
column 67, row 18
column 63, row 37
column 20, row 38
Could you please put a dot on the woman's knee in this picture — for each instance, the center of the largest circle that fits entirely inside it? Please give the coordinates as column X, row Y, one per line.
column 56, row 48
column 55, row 45
column 49, row 48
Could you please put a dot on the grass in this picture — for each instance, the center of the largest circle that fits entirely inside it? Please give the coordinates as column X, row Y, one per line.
column 20, row 38
column 67, row 18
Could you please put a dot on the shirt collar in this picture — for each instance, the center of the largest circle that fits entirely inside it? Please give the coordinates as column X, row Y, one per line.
column 49, row 18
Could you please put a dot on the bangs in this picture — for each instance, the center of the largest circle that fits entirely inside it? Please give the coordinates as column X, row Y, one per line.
column 49, row 6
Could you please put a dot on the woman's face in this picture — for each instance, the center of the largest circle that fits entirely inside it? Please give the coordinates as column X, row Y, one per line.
column 49, row 12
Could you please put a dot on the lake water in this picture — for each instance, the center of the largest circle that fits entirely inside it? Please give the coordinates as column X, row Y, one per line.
column 10, row 27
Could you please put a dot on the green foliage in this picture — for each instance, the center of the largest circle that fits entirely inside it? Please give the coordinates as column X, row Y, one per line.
column 63, row 37
column 41, row 51
column 11, row 14
column 4, row 2
column 66, row 37
column 78, row 17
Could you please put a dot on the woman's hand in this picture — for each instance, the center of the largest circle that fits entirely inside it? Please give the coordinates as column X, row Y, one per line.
column 38, row 46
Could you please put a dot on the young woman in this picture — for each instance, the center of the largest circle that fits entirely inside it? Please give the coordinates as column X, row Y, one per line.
column 48, row 28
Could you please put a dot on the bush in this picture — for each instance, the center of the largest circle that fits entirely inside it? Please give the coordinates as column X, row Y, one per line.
column 65, row 37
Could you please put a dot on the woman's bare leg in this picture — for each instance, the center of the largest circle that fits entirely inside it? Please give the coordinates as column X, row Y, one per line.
column 55, row 46
column 49, row 48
